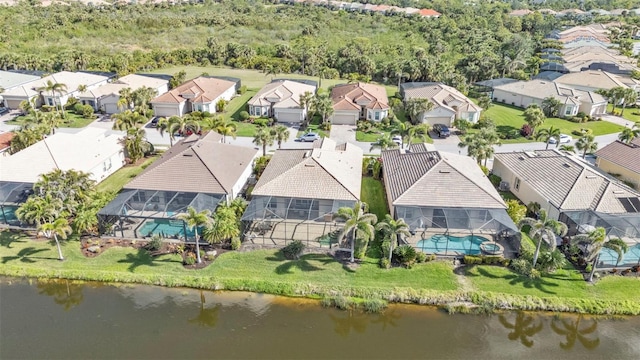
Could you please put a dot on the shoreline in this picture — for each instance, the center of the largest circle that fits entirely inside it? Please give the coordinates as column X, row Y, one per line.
column 487, row 301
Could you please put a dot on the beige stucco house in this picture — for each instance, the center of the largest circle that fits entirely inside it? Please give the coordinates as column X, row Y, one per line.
column 105, row 97
column 281, row 99
column 449, row 103
column 621, row 159
column 199, row 94
column 358, row 101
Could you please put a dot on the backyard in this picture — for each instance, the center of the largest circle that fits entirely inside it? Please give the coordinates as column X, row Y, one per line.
column 120, row 178
column 374, row 196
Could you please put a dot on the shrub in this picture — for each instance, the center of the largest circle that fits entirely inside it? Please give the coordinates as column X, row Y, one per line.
column 261, row 122
column 293, row 250
column 472, row 260
column 71, row 102
column 588, row 268
column 235, row 243
column 526, row 130
column 495, row 180
column 155, row 243
column 325, row 126
column 242, row 90
column 190, row 258
column 87, row 112
column 484, row 169
column 516, row 210
column 421, row 257
column 385, row 246
column 522, row 267
column 78, row 108
column 243, row 115
column 384, row 263
column 405, row 254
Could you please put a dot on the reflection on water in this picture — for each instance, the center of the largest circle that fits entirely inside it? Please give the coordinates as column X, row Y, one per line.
column 144, row 322
column 523, row 328
column 572, row 330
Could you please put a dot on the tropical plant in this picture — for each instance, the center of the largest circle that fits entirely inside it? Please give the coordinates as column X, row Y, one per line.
column 393, row 230
column 39, row 209
column 586, row 144
column 193, row 220
column 357, row 220
column 543, row 229
column 515, row 210
column 629, row 97
column 306, row 101
column 223, row 227
column 125, row 99
column 141, row 98
column 57, row 228
column 182, row 125
column 323, row 105
column 568, row 148
column 409, row 132
column 551, row 106
column 128, row 120
column 481, row 145
column 534, row 117
column 264, row 138
column 416, row 106
column 136, row 144
column 628, row 134
column 550, row 261
column 225, row 128
column 384, row 142
column 280, row 134
column 547, row 134
column 54, row 88
column 595, row 241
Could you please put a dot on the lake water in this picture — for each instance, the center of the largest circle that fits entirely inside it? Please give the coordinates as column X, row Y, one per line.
column 63, row 320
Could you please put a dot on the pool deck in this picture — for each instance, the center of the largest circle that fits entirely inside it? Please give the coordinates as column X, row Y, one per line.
column 508, row 251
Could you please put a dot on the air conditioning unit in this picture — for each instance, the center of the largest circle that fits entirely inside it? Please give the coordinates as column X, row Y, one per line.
column 504, row 186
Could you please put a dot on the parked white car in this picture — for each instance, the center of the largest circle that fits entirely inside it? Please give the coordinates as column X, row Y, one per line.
column 564, row 139
column 397, row 139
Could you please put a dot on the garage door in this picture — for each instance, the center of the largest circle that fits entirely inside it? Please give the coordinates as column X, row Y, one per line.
column 343, row 119
column 438, row 120
column 111, row 108
column 165, row 111
column 289, row 116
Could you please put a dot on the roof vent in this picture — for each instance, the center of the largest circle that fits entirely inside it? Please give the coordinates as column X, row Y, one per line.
column 566, row 165
column 531, row 154
column 187, row 155
column 618, row 192
column 307, row 154
column 445, row 171
column 591, row 177
column 521, row 157
column 309, row 165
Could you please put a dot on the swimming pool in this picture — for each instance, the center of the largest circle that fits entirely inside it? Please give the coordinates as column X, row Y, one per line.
column 438, row 244
column 166, row 228
column 609, row 257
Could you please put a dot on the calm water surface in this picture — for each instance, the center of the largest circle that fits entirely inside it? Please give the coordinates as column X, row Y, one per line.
column 63, row 320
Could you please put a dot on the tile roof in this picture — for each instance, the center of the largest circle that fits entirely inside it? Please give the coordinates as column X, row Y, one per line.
column 420, row 177
column 439, row 94
column 567, row 182
column 203, row 89
column 71, row 79
column 197, row 164
column 540, row 89
column 9, row 79
column 346, row 96
column 286, row 92
column 625, row 155
column 5, row 140
column 328, row 171
column 591, row 79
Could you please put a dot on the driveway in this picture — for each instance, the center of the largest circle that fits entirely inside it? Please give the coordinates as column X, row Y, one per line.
column 347, row 133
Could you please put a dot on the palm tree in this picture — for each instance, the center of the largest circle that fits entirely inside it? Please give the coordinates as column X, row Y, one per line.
column 357, row 220
column 480, row 145
column 587, row 144
column 39, row 209
column 409, row 132
column 280, row 133
column 548, row 134
column 195, row 219
column 393, row 229
column 384, row 142
column 568, row 148
column 182, row 125
column 629, row 97
column 306, row 101
column 128, row 120
column 226, row 128
column 126, row 99
column 534, row 116
column 595, row 241
column 323, row 105
column 136, row 144
column 53, row 89
column 82, row 88
column 415, row 107
column 543, row 229
column 627, row 135
column 263, row 138
column 224, row 225
column 142, row 97
column 163, row 126
column 59, row 227
column 550, row 106
column 572, row 332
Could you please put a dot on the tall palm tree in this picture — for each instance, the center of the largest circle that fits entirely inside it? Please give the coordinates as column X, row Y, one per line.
column 595, row 241
column 142, row 97
column 306, row 101
column 415, row 107
column 383, row 143
column 357, row 220
column 263, row 138
column 549, row 133
column 550, row 106
column 128, row 120
column 323, row 105
column 195, row 219
column 163, row 126
column 627, row 135
column 393, row 229
column 280, row 134
column 126, row 99
column 480, row 145
column 183, row 125
column 534, row 116
column 136, row 144
column 629, row 97
column 59, row 227
column 543, row 229
column 54, row 88
column 587, row 143
column 409, row 132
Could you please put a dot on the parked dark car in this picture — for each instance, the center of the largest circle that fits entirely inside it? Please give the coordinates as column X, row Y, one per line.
column 442, row 130
column 154, row 122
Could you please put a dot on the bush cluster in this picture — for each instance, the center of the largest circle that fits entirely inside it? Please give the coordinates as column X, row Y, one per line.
column 293, row 250
column 405, row 255
column 485, row 260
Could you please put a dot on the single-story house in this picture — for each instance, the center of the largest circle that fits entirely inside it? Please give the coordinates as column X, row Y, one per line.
column 358, row 101
column 199, row 94
column 72, row 80
column 300, row 191
column 449, row 103
column 573, row 101
column 593, row 80
column 105, row 97
column 281, row 99
column 451, row 207
column 621, row 159
column 10, row 80
column 199, row 171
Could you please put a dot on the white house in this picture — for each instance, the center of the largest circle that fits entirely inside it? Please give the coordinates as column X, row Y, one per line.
column 105, row 97
column 281, row 99
column 10, row 80
column 199, row 94
column 449, row 103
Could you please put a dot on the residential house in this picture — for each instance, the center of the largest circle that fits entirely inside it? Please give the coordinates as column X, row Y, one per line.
column 524, row 93
column 621, row 159
column 5, row 141
column 72, row 80
column 429, row 13
column 199, row 94
column 358, row 101
column 449, row 103
column 444, row 196
column 10, row 80
column 281, row 99
column 300, row 191
column 593, row 80
column 199, row 172
column 105, row 97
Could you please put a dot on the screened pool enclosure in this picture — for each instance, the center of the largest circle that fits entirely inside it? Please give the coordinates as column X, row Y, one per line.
column 136, row 213
column 272, row 220
column 460, row 231
column 624, row 226
column 12, row 195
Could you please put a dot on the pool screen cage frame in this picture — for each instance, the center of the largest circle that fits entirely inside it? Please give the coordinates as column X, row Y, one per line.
column 623, row 226
column 427, row 221
column 132, row 208
column 277, row 221
column 12, row 195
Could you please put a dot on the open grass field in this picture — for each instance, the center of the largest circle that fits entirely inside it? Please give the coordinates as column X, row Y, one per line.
column 120, row 178
column 373, row 194
column 72, row 121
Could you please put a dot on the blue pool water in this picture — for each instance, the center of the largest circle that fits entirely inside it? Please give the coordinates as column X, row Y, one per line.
column 9, row 213
column 166, row 228
column 610, row 258
column 468, row 245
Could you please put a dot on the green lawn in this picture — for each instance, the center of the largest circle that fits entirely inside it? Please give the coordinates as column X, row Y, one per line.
column 245, row 129
column 120, row 178
column 314, row 126
column 373, row 194
column 509, row 118
column 631, row 114
column 72, row 121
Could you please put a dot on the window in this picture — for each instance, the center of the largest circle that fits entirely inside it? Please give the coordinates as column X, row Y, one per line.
column 50, row 101
column 107, row 165
column 377, row 115
column 569, row 110
column 517, row 184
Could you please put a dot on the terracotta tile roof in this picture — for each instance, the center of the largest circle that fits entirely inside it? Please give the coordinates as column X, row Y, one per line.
column 346, row 96
column 624, row 155
column 5, row 140
column 197, row 164
column 429, row 13
column 328, row 171
column 203, row 89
